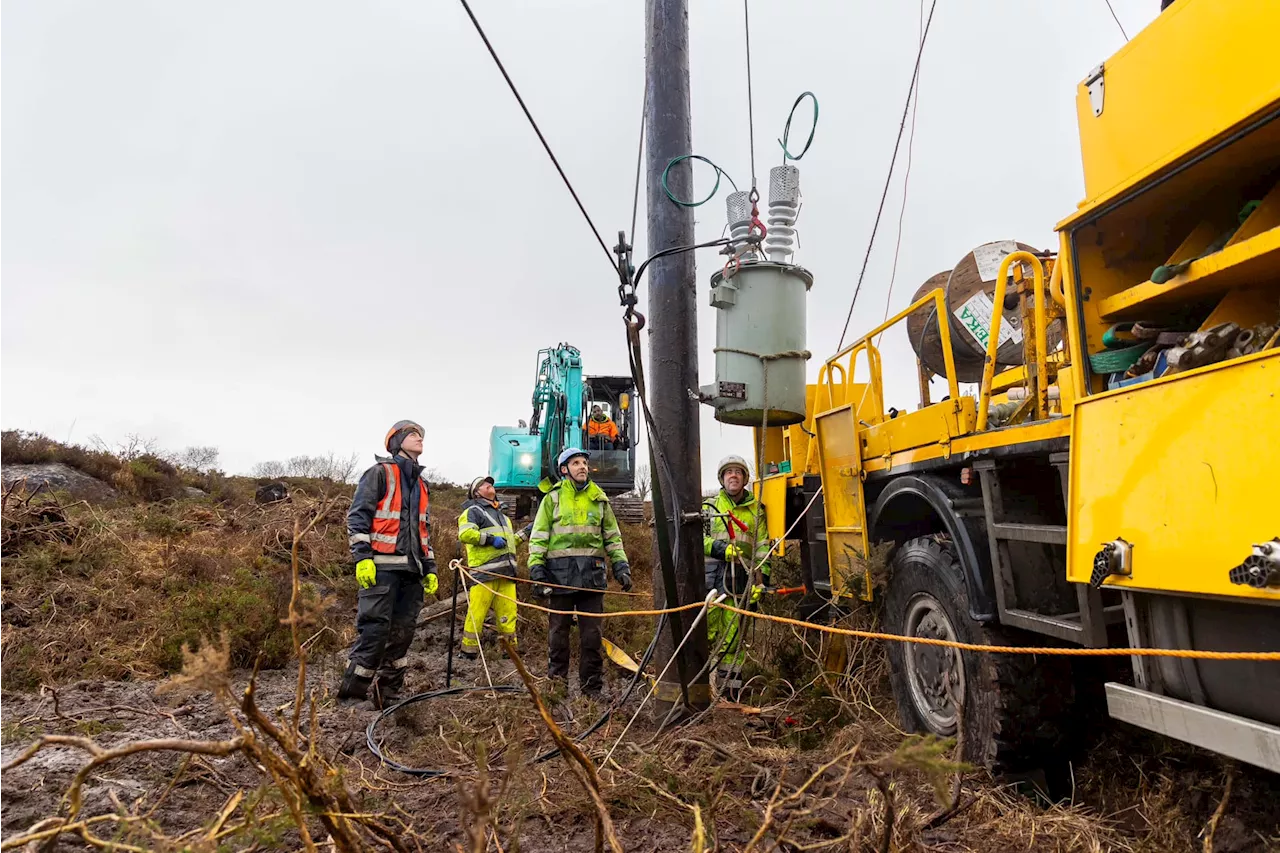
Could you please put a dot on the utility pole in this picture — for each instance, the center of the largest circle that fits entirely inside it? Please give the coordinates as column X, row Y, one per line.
column 673, row 346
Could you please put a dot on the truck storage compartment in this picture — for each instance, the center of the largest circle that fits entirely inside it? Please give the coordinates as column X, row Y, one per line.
column 1178, row 475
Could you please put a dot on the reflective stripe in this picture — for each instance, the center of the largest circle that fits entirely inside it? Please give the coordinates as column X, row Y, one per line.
column 386, row 513
column 576, row 552
column 361, row 671
column 382, row 537
column 357, row 537
column 390, row 560
column 393, row 482
column 503, row 558
column 573, row 528
column 399, row 663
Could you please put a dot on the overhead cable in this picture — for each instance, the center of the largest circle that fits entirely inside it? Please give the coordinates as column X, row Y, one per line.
column 534, row 124
column 888, row 179
column 1117, row 20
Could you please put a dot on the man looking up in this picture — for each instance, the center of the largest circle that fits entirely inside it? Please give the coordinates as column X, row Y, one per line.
column 574, row 530
column 389, row 530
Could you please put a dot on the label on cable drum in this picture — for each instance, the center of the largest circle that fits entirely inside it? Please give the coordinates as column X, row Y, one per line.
column 989, row 255
column 975, row 316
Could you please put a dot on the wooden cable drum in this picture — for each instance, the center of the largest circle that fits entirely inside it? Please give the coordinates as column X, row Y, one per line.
column 969, row 291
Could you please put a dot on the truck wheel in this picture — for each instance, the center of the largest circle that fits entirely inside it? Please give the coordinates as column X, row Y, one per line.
column 1012, row 710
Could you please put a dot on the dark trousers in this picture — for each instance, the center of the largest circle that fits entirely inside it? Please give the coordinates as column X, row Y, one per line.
column 385, row 620
column 590, row 662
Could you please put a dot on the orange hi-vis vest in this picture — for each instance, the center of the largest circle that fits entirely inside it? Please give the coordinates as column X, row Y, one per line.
column 386, row 516
column 607, row 428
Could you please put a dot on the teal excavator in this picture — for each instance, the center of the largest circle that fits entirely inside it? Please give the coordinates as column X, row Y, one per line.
column 522, row 458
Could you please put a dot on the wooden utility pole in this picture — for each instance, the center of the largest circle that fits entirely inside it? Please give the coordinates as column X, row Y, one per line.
column 673, row 347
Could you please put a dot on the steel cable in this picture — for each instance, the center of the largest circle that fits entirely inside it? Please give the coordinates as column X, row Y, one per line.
column 534, row 124
column 888, row 180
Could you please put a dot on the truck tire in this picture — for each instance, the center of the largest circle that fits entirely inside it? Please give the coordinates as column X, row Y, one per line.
column 1013, row 709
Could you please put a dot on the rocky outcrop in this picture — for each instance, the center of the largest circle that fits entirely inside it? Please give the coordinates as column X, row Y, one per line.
column 56, row 477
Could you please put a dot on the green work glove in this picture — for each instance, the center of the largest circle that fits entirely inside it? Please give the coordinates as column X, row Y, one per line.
column 366, row 573
column 756, row 592
column 732, row 552
column 432, row 584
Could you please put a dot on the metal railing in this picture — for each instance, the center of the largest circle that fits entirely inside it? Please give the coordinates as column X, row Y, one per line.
column 993, row 342
column 937, row 298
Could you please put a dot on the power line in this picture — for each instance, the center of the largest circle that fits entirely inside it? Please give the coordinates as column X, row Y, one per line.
column 915, row 74
column 906, row 181
column 635, row 198
column 511, row 84
column 751, row 115
column 1117, row 20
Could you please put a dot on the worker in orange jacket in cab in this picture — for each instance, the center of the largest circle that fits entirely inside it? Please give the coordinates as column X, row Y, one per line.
column 602, row 432
column 389, row 530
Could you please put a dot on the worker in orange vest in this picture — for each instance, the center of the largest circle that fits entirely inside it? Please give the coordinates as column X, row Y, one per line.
column 602, row 432
column 389, row 530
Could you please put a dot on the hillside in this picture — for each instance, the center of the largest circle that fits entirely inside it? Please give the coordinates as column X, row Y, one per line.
column 145, row 610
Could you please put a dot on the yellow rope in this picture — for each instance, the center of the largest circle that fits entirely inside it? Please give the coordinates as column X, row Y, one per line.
column 1073, row 651
column 604, row 615
column 1070, row 651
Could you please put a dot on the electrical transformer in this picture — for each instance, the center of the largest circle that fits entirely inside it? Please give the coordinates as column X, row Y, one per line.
column 759, row 297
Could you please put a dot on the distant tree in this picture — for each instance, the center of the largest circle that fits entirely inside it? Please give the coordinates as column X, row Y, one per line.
column 203, row 459
column 644, row 482
column 436, row 477
column 339, row 469
column 268, row 470
column 129, row 449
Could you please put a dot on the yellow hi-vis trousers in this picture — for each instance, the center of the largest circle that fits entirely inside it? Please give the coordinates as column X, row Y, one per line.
column 482, row 598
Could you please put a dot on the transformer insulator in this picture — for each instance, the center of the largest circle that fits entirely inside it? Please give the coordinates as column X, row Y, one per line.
column 738, row 207
column 784, row 206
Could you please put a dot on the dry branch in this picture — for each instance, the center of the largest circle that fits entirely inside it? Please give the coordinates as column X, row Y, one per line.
column 578, row 762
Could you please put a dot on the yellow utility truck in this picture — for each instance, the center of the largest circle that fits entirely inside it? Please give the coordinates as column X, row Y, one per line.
column 1104, row 468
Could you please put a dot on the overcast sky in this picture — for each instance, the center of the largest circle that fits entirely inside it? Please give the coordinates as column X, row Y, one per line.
column 278, row 227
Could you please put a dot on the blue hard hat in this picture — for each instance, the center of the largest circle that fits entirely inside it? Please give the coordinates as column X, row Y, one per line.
column 568, row 453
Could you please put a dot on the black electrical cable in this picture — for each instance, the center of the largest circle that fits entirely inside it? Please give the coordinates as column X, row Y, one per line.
column 1117, row 20
column 710, row 244
column 547, row 146
column 434, row 773
column 888, row 179
column 423, row 772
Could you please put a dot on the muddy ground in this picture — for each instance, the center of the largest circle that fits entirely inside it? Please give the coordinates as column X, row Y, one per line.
column 718, row 773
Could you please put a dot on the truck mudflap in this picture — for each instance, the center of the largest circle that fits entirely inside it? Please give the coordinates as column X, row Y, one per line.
column 1235, row 737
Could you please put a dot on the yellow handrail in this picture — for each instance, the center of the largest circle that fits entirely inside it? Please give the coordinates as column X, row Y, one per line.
column 935, row 296
column 993, row 342
column 824, row 377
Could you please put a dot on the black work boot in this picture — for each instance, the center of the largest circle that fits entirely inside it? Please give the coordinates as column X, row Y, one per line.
column 388, row 687
column 355, row 683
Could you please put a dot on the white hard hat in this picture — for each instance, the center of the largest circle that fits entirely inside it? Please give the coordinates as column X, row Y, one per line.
column 731, row 461
column 570, row 452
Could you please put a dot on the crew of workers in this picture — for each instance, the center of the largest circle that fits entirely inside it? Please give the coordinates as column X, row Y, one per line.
column 574, row 543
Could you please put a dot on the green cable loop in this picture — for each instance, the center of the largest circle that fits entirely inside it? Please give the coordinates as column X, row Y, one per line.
column 719, row 172
column 786, row 130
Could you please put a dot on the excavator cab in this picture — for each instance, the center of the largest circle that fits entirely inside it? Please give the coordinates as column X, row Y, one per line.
column 611, row 440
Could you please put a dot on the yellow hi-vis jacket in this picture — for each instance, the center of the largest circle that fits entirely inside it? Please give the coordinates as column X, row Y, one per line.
column 479, row 524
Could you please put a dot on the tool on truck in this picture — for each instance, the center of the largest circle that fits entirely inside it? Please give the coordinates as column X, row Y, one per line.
column 522, row 459
column 1110, row 479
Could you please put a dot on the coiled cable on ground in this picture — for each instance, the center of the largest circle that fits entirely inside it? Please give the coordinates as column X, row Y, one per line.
column 434, row 773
